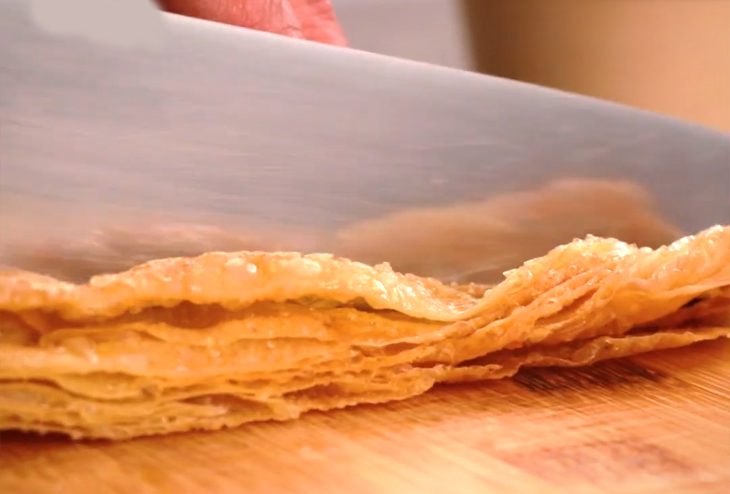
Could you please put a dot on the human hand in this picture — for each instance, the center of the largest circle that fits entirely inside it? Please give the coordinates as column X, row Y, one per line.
column 306, row 19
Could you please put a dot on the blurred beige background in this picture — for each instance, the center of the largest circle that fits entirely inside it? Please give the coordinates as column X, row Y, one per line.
column 667, row 56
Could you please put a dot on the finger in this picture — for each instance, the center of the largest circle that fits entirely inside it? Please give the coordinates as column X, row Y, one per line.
column 308, row 19
column 275, row 16
column 318, row 21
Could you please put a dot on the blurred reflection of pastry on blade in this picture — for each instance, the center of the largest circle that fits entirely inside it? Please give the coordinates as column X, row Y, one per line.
column 470, row 241
column 117, row 248
column 478, row 241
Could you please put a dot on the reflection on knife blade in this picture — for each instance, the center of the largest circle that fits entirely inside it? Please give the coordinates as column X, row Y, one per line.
column 471, row 241
column 478, row 241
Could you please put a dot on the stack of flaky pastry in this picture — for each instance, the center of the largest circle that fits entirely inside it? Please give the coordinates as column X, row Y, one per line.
column 226, row 338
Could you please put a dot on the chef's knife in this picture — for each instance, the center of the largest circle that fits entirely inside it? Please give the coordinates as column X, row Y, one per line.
column 127, row 120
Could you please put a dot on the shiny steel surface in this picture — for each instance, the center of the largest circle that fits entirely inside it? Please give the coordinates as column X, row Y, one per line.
column 269, row 143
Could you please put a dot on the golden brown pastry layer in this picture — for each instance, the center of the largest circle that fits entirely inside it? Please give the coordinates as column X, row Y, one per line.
column 226, row 338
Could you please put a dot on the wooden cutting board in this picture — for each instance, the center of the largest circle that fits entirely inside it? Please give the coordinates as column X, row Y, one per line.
column 657, row 423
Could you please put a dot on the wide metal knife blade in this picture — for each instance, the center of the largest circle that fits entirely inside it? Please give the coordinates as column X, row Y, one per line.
column 197, row 136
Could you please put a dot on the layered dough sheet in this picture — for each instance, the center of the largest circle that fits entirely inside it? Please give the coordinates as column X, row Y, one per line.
column 226, row 338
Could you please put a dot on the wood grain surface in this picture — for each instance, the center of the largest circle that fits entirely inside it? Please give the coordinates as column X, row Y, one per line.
column 654, row 424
